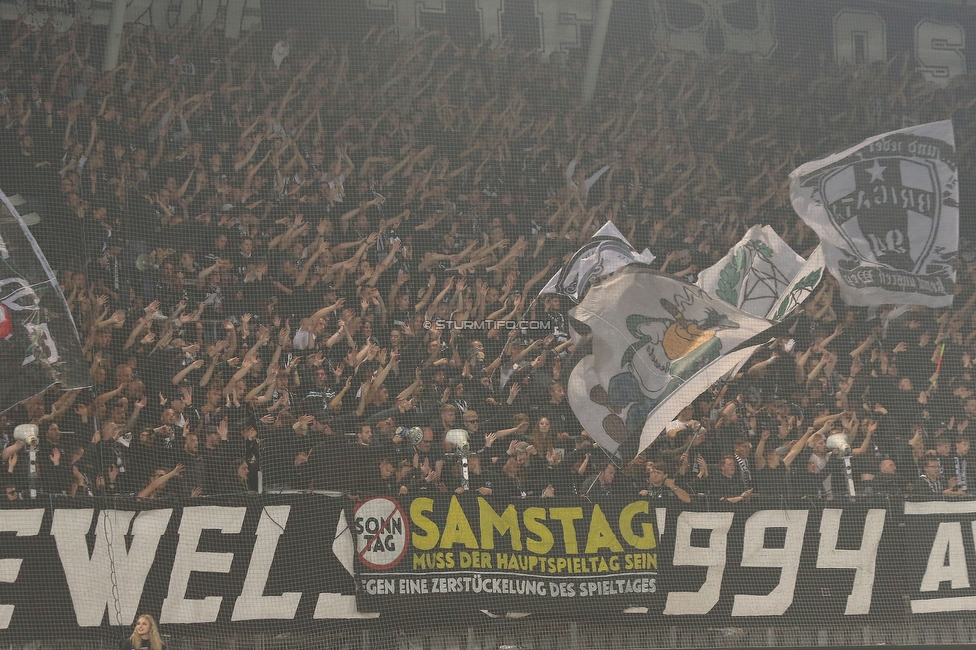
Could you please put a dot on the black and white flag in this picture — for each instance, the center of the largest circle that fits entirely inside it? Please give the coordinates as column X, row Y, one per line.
column 39, row 344
column 605, row 252
column 887, row 212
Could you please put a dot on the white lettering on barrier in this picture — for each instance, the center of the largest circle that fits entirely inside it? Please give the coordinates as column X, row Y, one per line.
column 948, row 541
column 333, row 605
column 711, row 31
column 88, row 577
column 712, row 556
column 252, row 604
column 87, row 572
column 176, row 607
column 490, row 16
column 23, row 523
column 560, row 23
column 863, row 560
column 755, row 554
column 407, row 14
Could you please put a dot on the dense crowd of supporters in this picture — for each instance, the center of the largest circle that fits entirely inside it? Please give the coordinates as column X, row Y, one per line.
column 261, row 244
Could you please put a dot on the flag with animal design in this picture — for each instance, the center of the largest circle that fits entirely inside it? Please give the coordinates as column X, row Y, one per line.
column 657, row 342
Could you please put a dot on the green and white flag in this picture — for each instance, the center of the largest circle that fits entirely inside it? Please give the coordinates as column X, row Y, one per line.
column 755, row 274
column 803, row 284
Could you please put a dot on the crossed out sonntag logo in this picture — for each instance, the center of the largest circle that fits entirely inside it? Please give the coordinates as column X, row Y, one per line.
column 382, row 532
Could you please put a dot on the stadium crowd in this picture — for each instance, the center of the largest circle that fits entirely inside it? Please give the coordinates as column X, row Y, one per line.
column 261, row 242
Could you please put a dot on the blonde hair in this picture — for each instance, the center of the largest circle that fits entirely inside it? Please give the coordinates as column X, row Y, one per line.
column 155, row 641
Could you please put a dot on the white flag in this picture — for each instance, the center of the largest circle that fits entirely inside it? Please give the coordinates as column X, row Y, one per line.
column 803, row 284
column 887, row 213
column 657, row 343
column 605, row 252
column 755, row 273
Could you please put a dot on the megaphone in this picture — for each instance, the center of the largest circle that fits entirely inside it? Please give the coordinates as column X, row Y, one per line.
column 26, row 432
column 840, row 443
column 413, row 435
column 144, row 262
column 458, row 438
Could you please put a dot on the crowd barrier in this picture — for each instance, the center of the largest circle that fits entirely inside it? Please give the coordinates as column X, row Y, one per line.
column 301, row 562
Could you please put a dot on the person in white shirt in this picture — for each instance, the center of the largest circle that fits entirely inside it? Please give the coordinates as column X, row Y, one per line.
column 684, row 423
column 313, row 326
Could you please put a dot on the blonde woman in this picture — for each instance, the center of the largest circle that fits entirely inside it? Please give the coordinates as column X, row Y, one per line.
column 145, row 635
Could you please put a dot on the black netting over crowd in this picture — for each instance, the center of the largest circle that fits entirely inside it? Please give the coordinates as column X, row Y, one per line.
column 300, row 260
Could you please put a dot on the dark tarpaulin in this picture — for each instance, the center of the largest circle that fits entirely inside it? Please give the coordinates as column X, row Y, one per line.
column 39, row 344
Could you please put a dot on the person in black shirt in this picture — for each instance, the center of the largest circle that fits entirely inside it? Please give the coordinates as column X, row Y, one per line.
column 885, row 482
column 556, row 478
column 661, row 487
column 424, row 478
column 286, row 461
column 601, row 487
column 362, row 458
column 405, row 475
column 194, row 481
column 480, row 482
column 380, row 479
column 250, row 457
column 513, row 480
column 958, row 463
column 931, row 484
column 560, row 413
column 692, row 476
column 771, row 475
column 726, row 485
column 54, row 463
column 741, row 447
column 113, row 449
column 326, row 467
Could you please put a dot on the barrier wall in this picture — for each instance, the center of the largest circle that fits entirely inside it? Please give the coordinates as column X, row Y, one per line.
column 293, row 563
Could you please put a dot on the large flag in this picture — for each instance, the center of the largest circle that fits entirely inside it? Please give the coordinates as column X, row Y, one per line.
column 39, row 344
column 887, row 213
column 606, row 251
column 755, row 273
column 657, row 343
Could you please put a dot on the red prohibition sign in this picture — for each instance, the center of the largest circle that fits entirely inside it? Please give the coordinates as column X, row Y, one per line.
column 386, row 512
